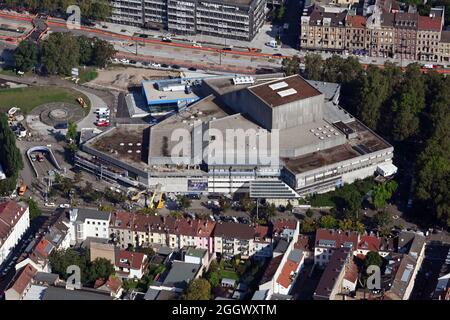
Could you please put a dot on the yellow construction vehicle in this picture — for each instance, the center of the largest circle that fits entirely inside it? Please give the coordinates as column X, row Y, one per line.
column 138, row 195
column 151, row 203
column 160, row 202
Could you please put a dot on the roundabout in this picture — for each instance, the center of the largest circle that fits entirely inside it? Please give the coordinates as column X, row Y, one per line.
column 53, row 114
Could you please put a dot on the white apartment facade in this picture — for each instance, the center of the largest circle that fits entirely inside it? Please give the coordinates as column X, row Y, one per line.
column 87, row 223
column 14, row 222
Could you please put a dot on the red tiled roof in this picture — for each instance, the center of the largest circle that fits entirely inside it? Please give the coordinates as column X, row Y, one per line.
column 356, row 21
column 340, row 237
column 114, row 284
column 371, row 243
column 303, row 243
column 351, row 272
column 262, row 231
column 24, row 279
column 281, row 224
column 10, row 213
column 44, row 248
column 284, row 278
column 135, row 260
column 428, row 23
column 160, row 224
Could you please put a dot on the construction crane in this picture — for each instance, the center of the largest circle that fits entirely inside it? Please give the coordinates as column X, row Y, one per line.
column 160, row 202
column 138, row 195
column 151, row 204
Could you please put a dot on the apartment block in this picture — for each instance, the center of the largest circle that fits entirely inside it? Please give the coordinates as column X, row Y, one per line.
column 234, row 19
column 384, row 31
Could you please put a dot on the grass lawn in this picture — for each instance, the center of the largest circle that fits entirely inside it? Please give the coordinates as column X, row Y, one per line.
column 228, row 274
column 28, row 98
column 87, row 75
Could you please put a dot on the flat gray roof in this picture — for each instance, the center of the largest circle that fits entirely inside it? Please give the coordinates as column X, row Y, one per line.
column 181, row 274
column 83, row 214
column 58, row 293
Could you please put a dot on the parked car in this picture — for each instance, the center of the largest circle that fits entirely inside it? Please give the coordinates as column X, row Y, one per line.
column 166, row 39
column 64, row 205
column 49, row 204
column 164, row 65
column 175, row 66
column 156, row 65
column 33, row 157
column 192, row 69
column 102, row 123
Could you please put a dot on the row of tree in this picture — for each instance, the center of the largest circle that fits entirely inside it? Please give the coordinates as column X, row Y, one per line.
column 410, row 109
column 63, row 51
column 10, row 157
column 90, row 9
column 100, row 268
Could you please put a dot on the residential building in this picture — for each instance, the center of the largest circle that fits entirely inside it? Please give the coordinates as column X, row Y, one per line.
column 429, row 35
column 323, row 28
column 444, row 48
column 112, row 285
column 231, row 239
column 328, row 241
column 371, row 242
column 197, row 256
column 156, row 231
column 14, row 222
column 383, row 31
column 88, row 223
column 399, row 277
column 442, row 291
column 21, row 283
column 335, row 280
column 130, row 265
column 234, row 19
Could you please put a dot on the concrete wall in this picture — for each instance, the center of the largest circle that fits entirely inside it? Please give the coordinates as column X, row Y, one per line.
column 298, row 113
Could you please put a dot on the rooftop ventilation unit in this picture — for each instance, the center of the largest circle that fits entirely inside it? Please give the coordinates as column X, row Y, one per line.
column 287, row 92
column 243, row 80
column 278, row 85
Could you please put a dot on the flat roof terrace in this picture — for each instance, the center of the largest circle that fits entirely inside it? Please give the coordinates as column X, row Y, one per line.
column 155, row 96
column 280, row 92
column 128, row 144
column 202, row 111
column 366, row 142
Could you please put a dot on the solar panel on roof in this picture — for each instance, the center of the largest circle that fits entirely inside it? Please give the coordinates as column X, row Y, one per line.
column 327, row 243
column 287, row 92
column 278, row 85
column 348, row 244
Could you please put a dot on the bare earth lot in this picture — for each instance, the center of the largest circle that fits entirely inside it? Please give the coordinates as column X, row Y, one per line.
column 122, row 78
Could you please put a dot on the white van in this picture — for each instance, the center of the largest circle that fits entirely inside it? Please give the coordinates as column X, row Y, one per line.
column 102, row 111
column 272, row 44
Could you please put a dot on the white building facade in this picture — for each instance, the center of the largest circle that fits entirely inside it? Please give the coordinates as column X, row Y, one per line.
column 14, row 222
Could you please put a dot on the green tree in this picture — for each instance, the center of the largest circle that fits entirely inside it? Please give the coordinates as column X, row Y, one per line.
column 35, row 211
column 382, row 219
column 60, row 53
column 382, row 193
column 103, row 51
column 328, row 222
column 409, row 101
column 375, row 90
column 373, row 258
column 61, row 259
column 313, row 66
column 198, row 289
column 86, row 50
column 26, row 56
column 291, row 66
column 184, row 202
column 214, row 279
column 100, row 268
column 289, row 206
column 10, row 157
column 78, row 177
